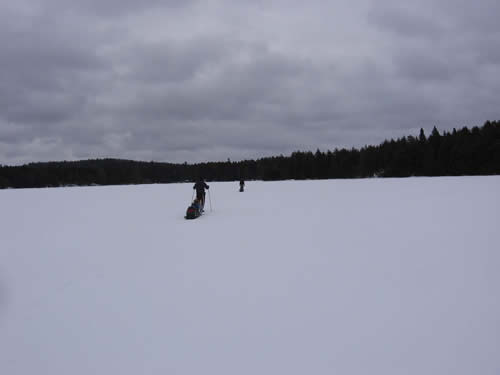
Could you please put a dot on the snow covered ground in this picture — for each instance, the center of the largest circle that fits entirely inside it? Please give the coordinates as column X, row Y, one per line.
column 378, row 276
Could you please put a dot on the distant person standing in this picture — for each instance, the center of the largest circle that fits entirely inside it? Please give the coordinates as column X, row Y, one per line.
column 200, row 187
column 242, row 185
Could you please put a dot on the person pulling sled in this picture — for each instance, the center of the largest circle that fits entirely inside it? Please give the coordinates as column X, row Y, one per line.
column 242, row 186
column 200, row 187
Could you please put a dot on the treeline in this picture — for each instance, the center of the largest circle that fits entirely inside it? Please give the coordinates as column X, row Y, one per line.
column 466, row 151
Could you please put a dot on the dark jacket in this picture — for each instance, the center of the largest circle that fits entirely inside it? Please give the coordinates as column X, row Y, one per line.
column 200, row 187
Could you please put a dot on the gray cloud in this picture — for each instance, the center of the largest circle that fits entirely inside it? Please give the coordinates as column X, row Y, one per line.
column 115, row 8
column 404, row 22
column 425, row 68
column 192, row 81
column 477, row 17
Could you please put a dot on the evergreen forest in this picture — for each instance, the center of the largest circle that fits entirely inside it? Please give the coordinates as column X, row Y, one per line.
column 474, row 151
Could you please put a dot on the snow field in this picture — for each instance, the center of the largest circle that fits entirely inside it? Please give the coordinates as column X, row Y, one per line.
column 379, row 276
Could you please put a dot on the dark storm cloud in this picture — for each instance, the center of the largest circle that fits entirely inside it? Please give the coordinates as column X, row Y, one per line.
column 190, row 81
column 215, row 87
column 41, row 72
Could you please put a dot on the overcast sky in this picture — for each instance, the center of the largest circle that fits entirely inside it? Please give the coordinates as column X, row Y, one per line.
column 189, row 80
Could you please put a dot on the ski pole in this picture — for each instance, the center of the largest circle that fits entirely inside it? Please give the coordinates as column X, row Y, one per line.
column 210, row 200
column 192, row 196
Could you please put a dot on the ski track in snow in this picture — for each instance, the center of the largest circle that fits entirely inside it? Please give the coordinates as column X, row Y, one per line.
column 378, row 276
